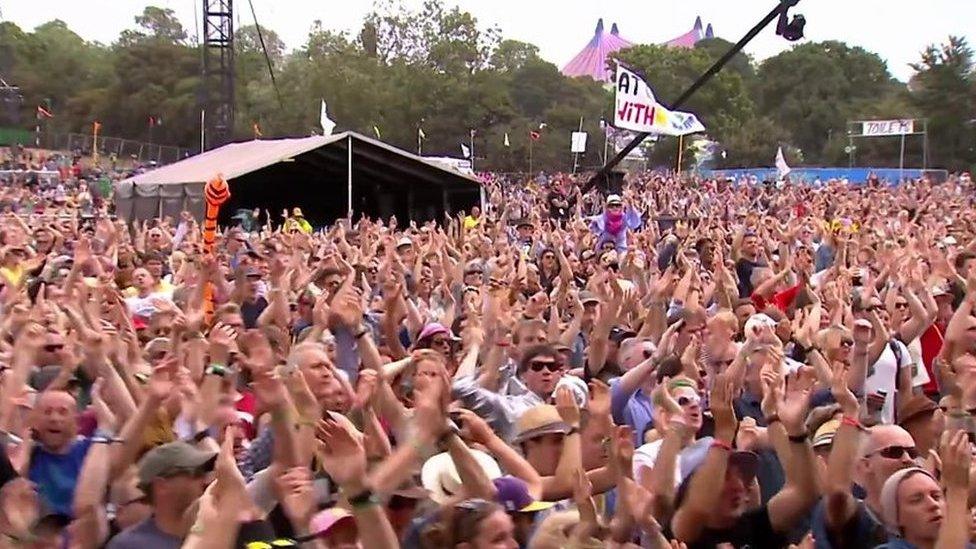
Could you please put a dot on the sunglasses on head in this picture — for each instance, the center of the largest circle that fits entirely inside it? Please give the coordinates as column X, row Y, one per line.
column 896, row 452
column 539, row 365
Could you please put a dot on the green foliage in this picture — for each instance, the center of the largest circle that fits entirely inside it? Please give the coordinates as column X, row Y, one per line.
column 438, row 68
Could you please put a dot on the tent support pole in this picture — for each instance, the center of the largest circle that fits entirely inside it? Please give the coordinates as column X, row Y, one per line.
column 349, row 177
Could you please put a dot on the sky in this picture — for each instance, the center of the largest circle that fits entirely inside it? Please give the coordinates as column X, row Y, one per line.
column 897, row 30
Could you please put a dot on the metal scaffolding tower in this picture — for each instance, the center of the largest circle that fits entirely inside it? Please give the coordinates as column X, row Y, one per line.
column 218, row 72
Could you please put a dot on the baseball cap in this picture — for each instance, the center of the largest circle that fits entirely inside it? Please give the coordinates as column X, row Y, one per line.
column 404, row 241
column 747, row 463
column 513, row 494
column 524, row 223
column 824, row 436
column 620, row 333
column 914, row 407
column 171, row 457
column 614, row 199
column 432, row 329
column 758, row 320
column 440, row 476
column 587, row 296
column 327, row 519
column 541, row 419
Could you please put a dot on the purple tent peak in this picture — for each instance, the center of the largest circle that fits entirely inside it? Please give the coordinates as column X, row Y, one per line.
column 592, row 60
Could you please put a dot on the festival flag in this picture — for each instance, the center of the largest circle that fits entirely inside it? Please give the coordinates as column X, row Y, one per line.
column 542, row 126
column 155, row 121
column 465, row 151
column 96, row 127
column 42, row 112
column 638, row 110
column 376, row 130
column 328, row 125
column 534, row 135
column 507, row 144
column 421, row 134
column 782, row 168
column 257, row 131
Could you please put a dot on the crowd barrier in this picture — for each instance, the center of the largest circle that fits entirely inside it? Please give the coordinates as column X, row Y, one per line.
column 890, row 176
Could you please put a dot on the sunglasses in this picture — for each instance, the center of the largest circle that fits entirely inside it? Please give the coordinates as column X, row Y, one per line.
column 440, row 342
column 539, row 365
column 847, row 342
column 896, row 452
column 53, row 348
column 686, row 400
column 901, row 305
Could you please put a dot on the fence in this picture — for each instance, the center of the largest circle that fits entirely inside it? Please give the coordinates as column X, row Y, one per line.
column 890, row 176
column 123, row 149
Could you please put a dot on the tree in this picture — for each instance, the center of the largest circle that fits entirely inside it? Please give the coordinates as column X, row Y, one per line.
column 814, row 88
column 943, row 89
column 162, row 24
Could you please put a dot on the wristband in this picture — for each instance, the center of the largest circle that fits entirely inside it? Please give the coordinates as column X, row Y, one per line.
column 716, row 443
column 798, row 439
column 201, row 436
column 364, row 499
column 218, row 370
column 573, row 431
column 502, row 344
column 851, row 421
column 771, row 419
column 360, row 334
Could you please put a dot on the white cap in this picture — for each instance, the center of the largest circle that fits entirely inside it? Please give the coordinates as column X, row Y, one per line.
column 614, row 199
column 758, row 320
column 405, row 241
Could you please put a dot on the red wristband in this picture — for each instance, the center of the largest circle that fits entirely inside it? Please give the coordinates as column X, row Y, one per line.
column 716, row 443
column 853, row 422
column 502, row 343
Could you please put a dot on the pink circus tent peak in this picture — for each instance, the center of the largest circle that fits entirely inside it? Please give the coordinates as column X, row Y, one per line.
column 690, row 38
column 592, row 60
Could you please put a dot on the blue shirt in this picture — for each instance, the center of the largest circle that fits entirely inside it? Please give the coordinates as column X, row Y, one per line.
column 56, row 475
column 634, row 409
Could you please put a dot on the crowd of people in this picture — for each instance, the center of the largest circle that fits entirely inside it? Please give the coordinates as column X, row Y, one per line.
column 683, row 363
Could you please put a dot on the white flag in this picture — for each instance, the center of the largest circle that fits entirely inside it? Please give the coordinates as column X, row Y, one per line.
column 421, row 134
column 781, row 167
column 638, row 110
column 507, row 144
column 328, row 125
column 465, row 151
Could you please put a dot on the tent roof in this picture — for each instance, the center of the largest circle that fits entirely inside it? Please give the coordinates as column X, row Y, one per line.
column 592, row 60
column 690, row 38
column 237, row 159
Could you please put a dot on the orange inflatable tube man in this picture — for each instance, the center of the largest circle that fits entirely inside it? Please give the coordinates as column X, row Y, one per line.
column 215, row 193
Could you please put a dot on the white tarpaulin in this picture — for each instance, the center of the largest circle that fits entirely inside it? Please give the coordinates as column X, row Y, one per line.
column 887, row 127
column 638, row 110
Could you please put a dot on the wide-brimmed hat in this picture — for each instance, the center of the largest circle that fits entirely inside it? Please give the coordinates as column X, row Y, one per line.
column 440, row 477
column 542, row 419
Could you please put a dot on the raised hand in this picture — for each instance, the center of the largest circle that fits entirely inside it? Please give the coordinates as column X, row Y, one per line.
column 341, row 449
column 721, row 408
column 841, row 392
column 566, row 406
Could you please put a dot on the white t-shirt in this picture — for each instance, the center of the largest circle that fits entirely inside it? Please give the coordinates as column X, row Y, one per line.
column 883, row 377
column 689, row 458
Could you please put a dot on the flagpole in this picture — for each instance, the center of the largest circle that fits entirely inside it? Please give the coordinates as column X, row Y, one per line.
column 472, row 149
column 349, row 177
column 95, row 142
column 203, row 119
column 37, row 128
column 681, row 148
column 530, row 155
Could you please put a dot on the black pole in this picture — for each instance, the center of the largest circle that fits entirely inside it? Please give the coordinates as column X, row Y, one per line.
column 705, row 77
